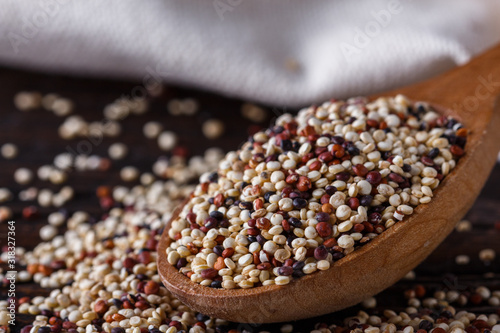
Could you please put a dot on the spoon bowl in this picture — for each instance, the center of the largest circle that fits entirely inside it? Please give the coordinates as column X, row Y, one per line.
column 467, row 93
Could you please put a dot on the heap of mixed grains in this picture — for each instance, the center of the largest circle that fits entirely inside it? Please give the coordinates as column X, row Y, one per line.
column 103, row 271
column 305, row 193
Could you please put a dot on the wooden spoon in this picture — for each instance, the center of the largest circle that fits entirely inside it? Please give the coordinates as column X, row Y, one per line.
column 468, row 93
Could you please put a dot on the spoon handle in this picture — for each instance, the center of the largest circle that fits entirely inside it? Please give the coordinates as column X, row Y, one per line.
column 468, row 89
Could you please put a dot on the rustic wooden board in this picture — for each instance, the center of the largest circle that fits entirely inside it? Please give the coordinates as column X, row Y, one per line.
column 36, row 136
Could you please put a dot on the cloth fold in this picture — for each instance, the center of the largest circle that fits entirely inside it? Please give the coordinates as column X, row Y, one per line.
column 284, row 53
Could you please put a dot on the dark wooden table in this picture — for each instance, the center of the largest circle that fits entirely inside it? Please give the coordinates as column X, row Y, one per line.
column 35, row 133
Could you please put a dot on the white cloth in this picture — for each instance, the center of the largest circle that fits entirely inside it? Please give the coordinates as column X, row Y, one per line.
column 289, row 53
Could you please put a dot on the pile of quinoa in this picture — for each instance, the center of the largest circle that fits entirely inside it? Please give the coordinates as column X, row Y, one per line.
column 310, row 190
column 104, row 278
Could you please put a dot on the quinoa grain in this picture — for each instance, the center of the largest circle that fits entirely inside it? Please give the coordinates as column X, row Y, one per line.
column 9, row 151
column 213, row 128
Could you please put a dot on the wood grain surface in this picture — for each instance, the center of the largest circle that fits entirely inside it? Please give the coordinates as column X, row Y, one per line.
column 35, row 133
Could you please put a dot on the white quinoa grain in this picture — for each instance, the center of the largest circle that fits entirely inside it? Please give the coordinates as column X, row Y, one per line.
column 282, row 280
column 462, row 259
column 45, row 197
column 5, row 194
column 129, row 173
column 112, row 129
column 345, row 241
column 189, row 106
column 310, row 268
column 56, row 219
column 26, row 101
column 343, row 212
column 23, row 176
column 28, row 194
column 9, row 151
column 287, row 328
column 152, row 129
column 370, row 303
column 463, row 226
column 57, row 176
column 213, row 128
column 48, row 100
column 405, row 209
column 117, row 151
column 487, row 255
column 323, row 265
column 62, row 107
column 167, row 140
column 174, row 107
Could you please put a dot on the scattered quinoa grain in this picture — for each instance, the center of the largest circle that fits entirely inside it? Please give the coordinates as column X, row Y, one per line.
column 26, row 101
column 152, row 129
column 5, row 194
column 48, row 100
column 56, row 219
column 57, row 176
column 487, row 255
column 370, row 303
column 463, row 226
column 167, row 140
column 9, row 151
column 23, row 176
column 213, row 128
column 177, row 107
column 129, row 174
column 462, row 259
column 117, row 151
column 174, row 107
column 189, row 106
column 48, row 232
column 253, row 112
column 62, row 107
